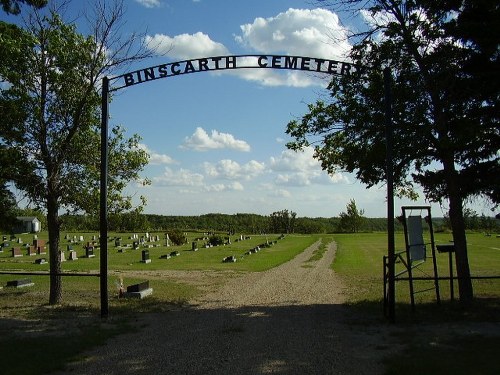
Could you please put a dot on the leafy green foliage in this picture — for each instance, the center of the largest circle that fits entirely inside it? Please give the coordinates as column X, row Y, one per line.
column 352, row 219
column 50, row 104
column 177, row 237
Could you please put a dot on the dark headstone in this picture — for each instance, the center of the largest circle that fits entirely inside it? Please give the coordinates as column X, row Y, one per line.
column 20, row 283
column 89, row 252
column 138, row 287
column 16, row 252
column 145, row 256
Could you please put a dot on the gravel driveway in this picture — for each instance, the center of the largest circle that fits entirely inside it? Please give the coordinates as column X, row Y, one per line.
column 287, row 320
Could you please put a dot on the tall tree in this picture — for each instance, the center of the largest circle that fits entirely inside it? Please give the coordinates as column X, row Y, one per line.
column 445, row 64
column 282, row 221
column 50, row 123
column 352, row 218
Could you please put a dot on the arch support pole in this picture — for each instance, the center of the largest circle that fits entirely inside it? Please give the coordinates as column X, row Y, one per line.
column 103, row 200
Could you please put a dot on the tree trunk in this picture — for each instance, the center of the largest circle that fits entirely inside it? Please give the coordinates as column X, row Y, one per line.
column 459, row 239
column 54, row 227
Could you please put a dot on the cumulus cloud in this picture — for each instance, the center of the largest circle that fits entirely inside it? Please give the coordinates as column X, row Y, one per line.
column 301, row 169
column 149, row 3
column 156, row 158
column 181, row 177
column 232, row 170
column 234, row 186
column 202, row 141
column 306, row 32
column 185, row 46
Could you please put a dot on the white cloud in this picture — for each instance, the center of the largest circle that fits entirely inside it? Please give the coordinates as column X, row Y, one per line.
column 155, row 158
column 231, row 170
column 306, row 32
column 182, row 177
column 149, row 3
column 280, row 193
column 234, row 186
column 185, row 46
column 202, row 141
column 301, row 169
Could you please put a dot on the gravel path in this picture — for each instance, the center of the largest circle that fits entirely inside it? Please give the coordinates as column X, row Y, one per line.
column 288, row 320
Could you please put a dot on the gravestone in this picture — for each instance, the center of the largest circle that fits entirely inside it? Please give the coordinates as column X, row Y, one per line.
column 19, row 240
column 89, row 252
column 118, row 242
column 135, row 245
column 16, row 252
column 168, row 240
column 194, row 246
column 81, row 239
column 4, row 238
column 165, row 256
column 140, row 290
column 69, row 247
column 175, row 254
column 145, row 256
column 40, row 247
column 62, row 257
column 72, row 255
column 35, row 236
column 21, row 283
column 229, row 259
column 40, row 261
column 31, row 250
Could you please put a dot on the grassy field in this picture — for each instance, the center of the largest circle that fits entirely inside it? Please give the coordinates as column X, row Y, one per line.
column 358, row 262
column 359, row 259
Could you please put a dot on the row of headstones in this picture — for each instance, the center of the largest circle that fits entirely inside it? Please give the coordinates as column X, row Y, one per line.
column 256, row 249
column 37, row 248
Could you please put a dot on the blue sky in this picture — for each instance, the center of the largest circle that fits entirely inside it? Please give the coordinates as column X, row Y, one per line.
column 217, row 139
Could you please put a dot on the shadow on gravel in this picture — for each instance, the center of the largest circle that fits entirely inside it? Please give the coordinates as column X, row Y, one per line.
column 294, row 339
column 317, row 339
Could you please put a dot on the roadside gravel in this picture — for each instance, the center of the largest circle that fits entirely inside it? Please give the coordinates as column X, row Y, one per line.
column 287, row 320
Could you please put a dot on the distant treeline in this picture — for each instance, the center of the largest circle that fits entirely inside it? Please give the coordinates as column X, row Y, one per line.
column 237, row 223
column 244, row 223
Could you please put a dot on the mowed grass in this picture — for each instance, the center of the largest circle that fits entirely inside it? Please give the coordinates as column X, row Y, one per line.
column 84, row 291
column 359, row 262
column 26, row 319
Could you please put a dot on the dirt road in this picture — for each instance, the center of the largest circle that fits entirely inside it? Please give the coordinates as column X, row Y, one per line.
column 288, row 320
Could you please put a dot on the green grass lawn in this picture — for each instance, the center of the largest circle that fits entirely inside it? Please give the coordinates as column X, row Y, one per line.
column 358, row 261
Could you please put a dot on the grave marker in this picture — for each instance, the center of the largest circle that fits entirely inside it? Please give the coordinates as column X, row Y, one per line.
column 16, row 252
column 145, row 257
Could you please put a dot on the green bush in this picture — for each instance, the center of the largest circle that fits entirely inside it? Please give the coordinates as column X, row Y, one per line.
column 177, row 237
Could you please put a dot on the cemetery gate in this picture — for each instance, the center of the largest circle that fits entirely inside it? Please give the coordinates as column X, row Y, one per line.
column 216, row 63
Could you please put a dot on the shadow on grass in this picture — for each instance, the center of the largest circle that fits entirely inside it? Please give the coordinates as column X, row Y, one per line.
column 151, row 336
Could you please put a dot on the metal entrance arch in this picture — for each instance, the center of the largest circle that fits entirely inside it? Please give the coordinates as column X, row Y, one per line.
column 232, row 62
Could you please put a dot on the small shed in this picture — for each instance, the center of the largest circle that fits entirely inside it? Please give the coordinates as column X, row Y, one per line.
column 28, row 224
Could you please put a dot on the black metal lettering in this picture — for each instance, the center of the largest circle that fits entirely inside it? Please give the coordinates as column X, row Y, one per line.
column 304, row 65
column 129, row 79
column 216, row 61
column 189, row 68
column 276, row 62
column 262, row 64
column 138, row 74
column 231, row 62
column 174, row 68
column 203, row 64
column 162, row 71
column 149, row 74
column 332, row 66
column 346, row 69
column 319, row 62
column 291, row 62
